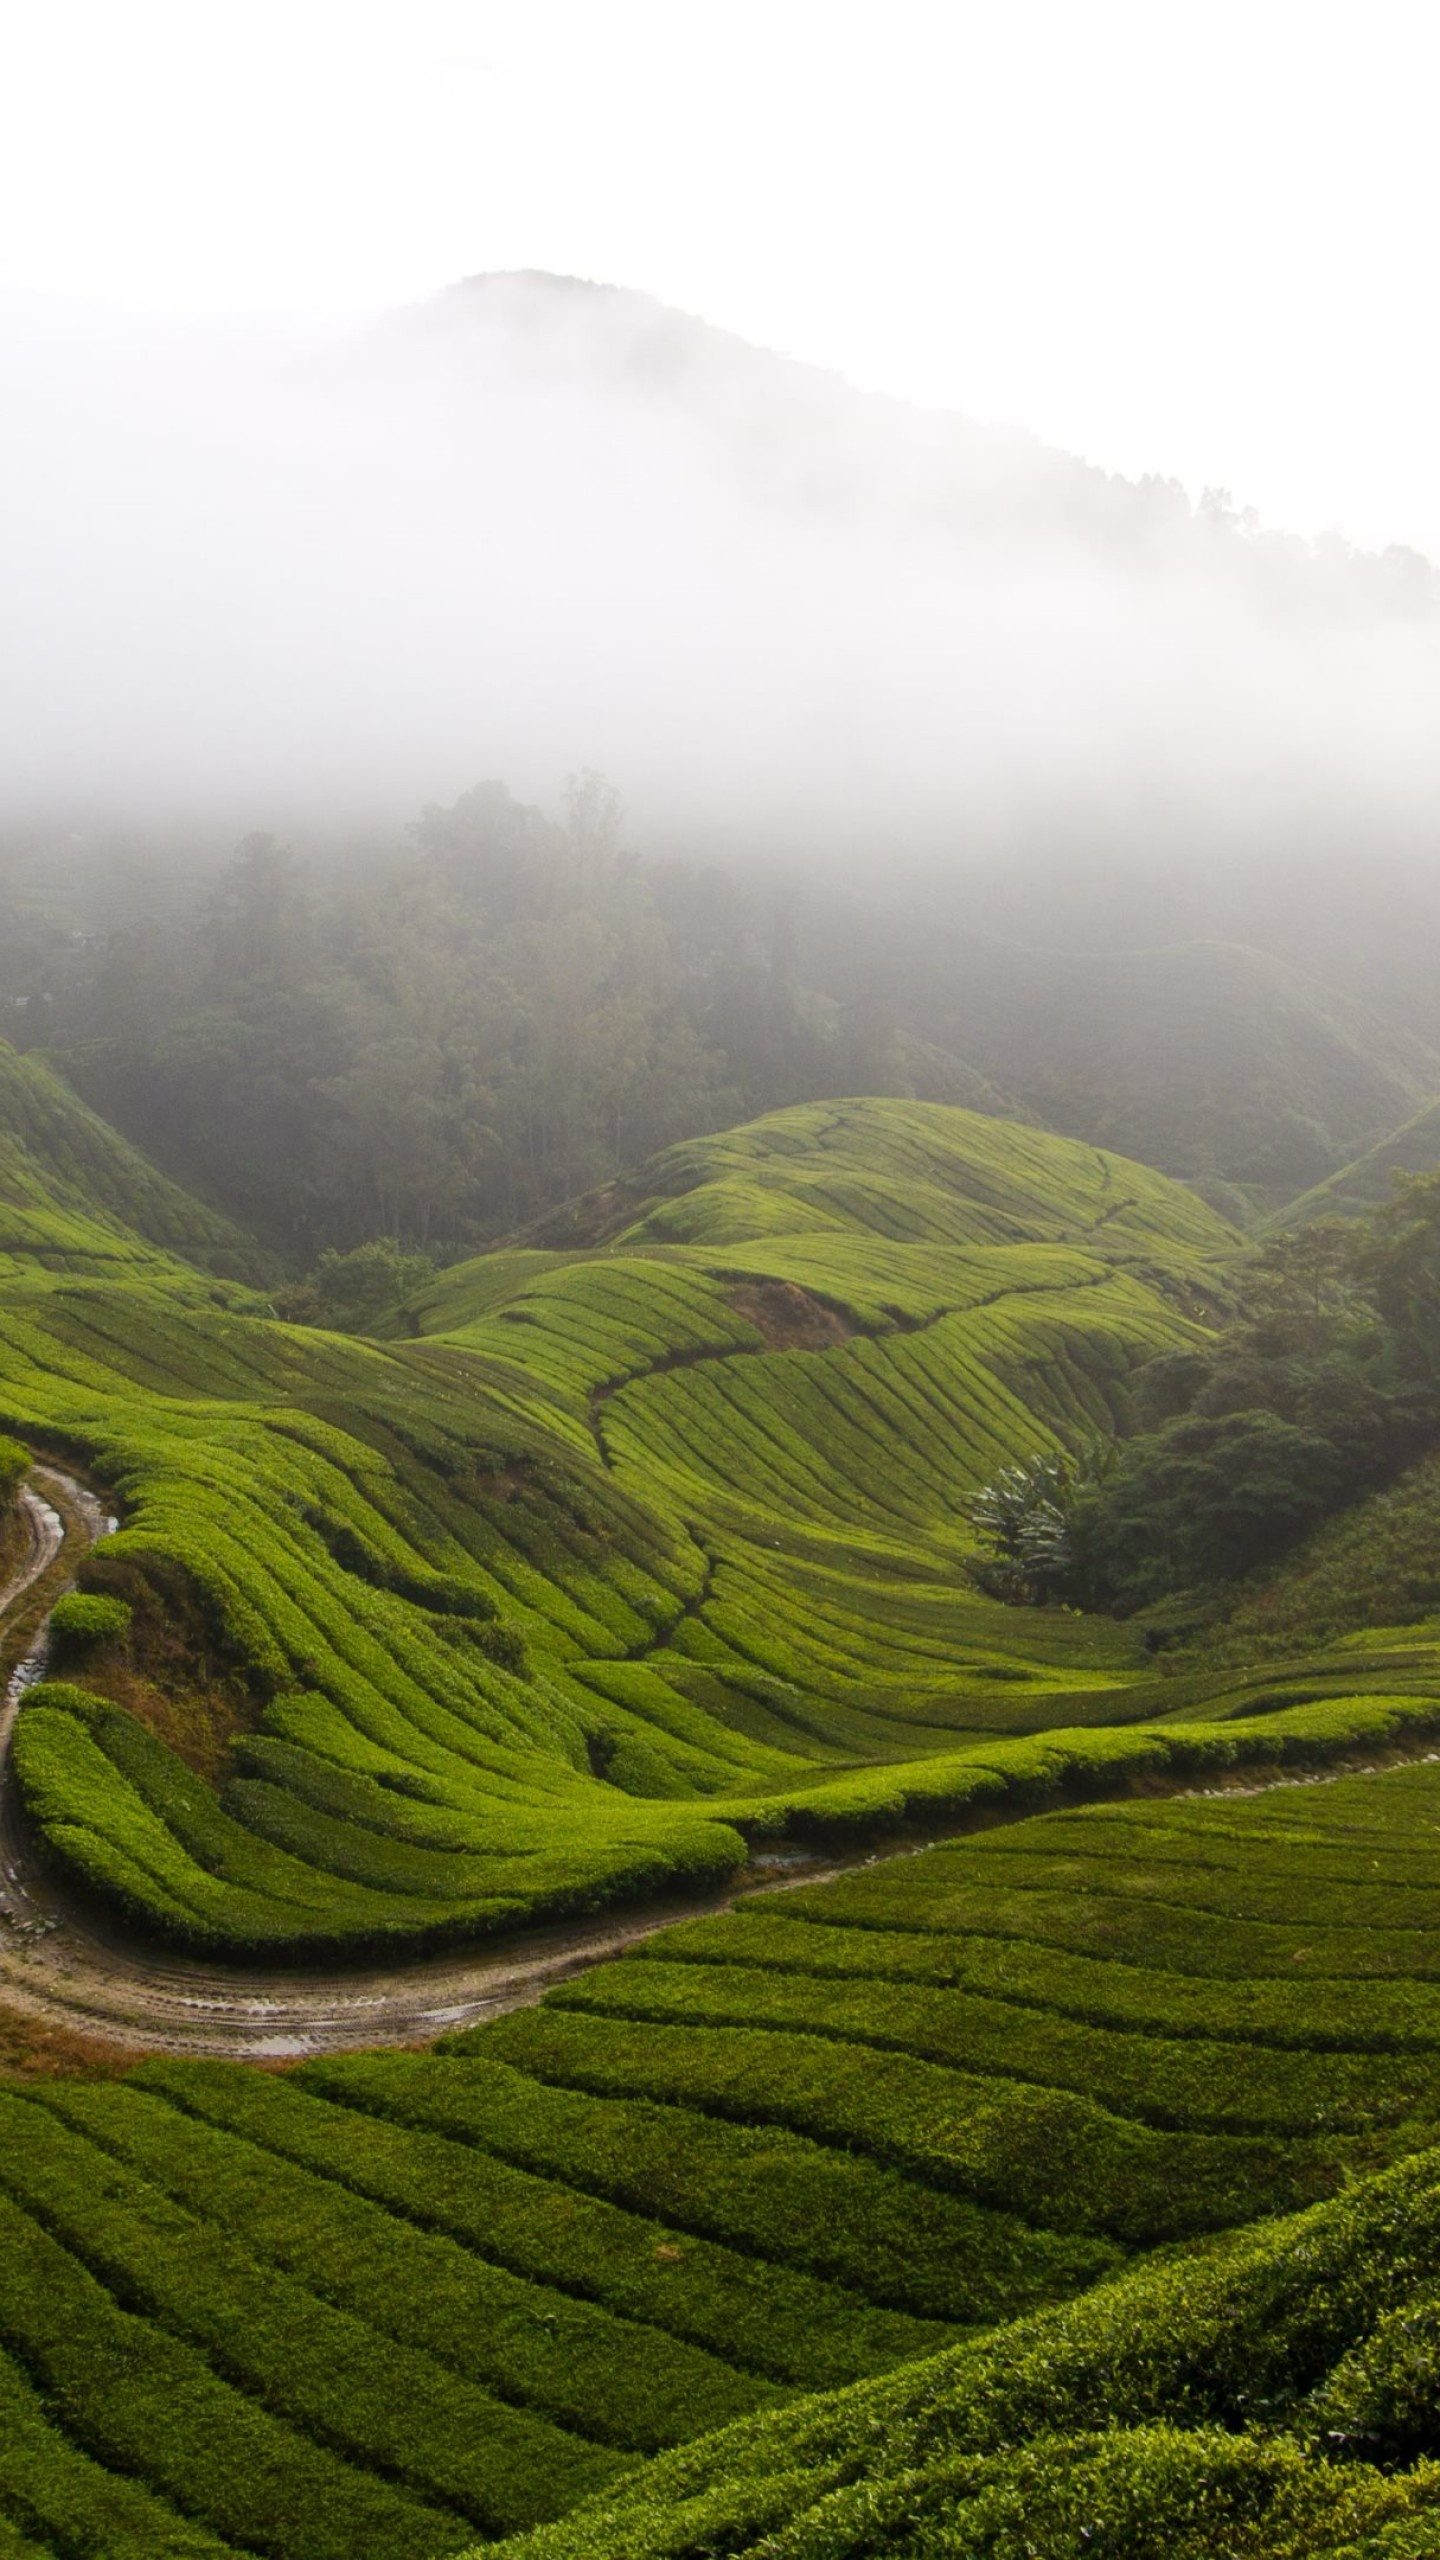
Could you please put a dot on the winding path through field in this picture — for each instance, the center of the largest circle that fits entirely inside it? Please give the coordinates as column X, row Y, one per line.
column 61, row 1964
column 64, row 1966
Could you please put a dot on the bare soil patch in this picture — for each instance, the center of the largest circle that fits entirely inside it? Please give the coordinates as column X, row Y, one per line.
column 174, row 1672
column 33, row 2048
column 787, row 1317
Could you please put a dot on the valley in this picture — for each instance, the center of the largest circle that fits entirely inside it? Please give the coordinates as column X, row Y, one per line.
column 719, row 1285
column 706, row 1952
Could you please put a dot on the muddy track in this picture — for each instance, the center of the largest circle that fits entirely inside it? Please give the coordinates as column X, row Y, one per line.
column 63, row 1966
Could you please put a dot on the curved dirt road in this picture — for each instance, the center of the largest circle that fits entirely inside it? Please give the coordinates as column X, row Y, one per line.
column 66, row 1968
column 62, row 1966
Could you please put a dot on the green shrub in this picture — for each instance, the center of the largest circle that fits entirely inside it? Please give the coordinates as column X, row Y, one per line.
column 74, row 2503
column 572, row 2360
column 1207, row 2084
column 1200, row 2405
column 143, row 2402
column 83, row 1621
column 798, row 2202
column 14, row 1468
column 1052, row 2155
column 504, row 1643
column 1394, row 2016
column 350, row 1291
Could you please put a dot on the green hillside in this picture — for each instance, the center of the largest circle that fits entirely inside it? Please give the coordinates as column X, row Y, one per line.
column 840, row 2137
column 1376, row 1566
column 1358, row 1189
column 1211, row 1058
column 623, row 1553
column 630, row 1548
column 1208, row 1056
column 617, row 1553
column 75, row 1198
column 1270, row 2401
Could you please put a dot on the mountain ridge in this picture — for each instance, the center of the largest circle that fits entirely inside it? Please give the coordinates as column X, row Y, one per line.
column 955, row 465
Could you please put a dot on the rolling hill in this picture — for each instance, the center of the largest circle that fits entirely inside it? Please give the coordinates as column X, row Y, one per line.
column 617, row 1551
column 1217, row 1060
column 1084, row 2165
column 77, row 1199
column 628, row 1549
column 1269, row 2400
column 1361, row 1187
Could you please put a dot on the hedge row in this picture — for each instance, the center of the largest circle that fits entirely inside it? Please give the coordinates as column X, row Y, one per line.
column 1206, row 2084
column 1060, row 2159
column 1288, row 2013
column 749, row 2182
column 392, row 2137
column 137, row 2400
column 604, row 2377
column 1258, row 2400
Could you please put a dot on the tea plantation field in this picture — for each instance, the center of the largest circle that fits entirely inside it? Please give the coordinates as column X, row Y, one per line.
column 76, row 1198
column 1082, row 2163
column 623, row 1548
column 1272, row 2400
column 915, row 2135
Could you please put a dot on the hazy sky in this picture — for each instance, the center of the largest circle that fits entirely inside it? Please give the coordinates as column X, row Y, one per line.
column 1168, row 236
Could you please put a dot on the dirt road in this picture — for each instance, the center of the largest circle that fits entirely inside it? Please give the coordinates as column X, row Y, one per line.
column 66, row 1967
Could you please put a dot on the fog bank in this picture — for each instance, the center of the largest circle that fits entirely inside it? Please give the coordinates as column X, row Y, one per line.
column 537, row 526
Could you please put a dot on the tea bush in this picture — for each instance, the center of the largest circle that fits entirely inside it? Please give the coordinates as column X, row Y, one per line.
column 14, row 1468
column 1202, row 2405
column 83, row 1620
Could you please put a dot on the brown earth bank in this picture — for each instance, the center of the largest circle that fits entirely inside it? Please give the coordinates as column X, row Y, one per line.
column 787, row 1317
column 173, row 1671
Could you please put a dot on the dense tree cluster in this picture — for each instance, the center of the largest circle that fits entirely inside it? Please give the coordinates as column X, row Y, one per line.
column 1323, row 1388
column 516, row 1011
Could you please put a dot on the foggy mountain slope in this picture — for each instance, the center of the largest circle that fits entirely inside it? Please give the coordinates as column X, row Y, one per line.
column 77, row 1199
column 538, row 524
column 1208, row 1056
column 794, row 433
column 818, row 637
column 1366, row 1184
column 1201, row 1057
column 932, row 1073
column 797, row 435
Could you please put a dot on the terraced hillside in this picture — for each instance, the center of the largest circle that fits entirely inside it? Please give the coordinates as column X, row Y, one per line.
column 75, row 1198
column 1216, row 1058
column 622, row 1549
column 1359, row 1189
column 1272, row 2401
column 625, row 1550
column 392, row 2303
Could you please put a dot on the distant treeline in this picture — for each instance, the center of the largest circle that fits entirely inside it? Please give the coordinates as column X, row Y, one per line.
column 513, row 1012
column 436, row 1037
